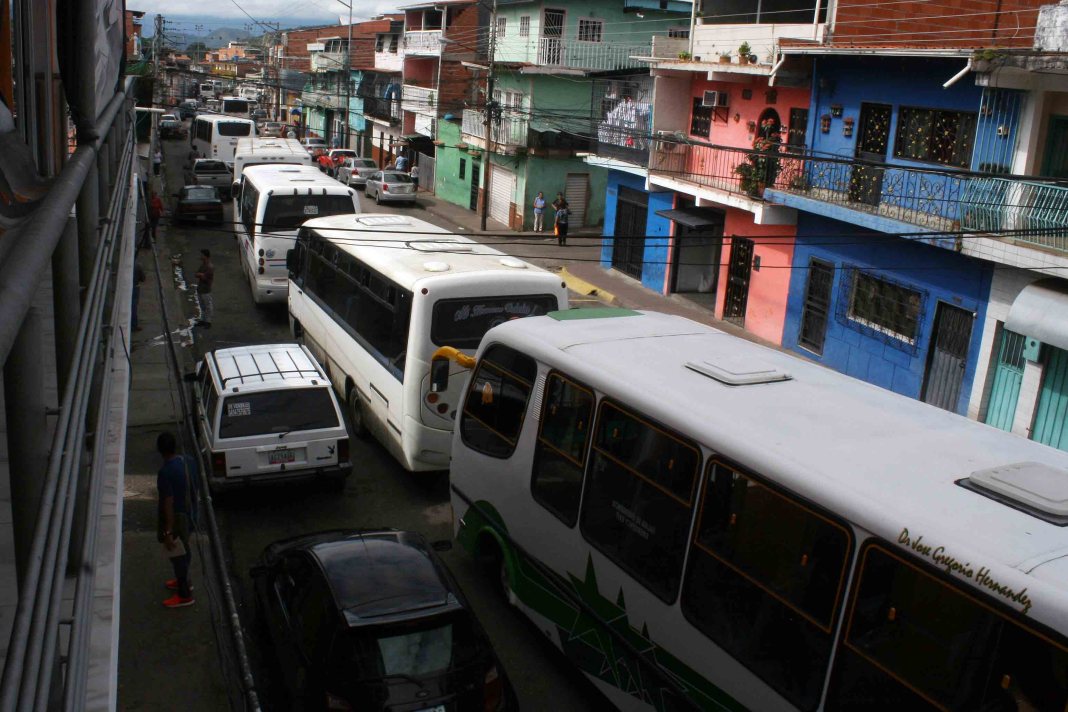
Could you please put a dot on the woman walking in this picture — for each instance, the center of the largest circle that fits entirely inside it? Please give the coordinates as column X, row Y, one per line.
column 562, row 214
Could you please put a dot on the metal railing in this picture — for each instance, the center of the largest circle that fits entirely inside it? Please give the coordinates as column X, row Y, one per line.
column 506, row 131
column 423, row 42
column 322, row 97
column 327, row 61
column 381, row 108
column 594, row 56
column 1038, row 210
column 709, row 166
column 417, row 99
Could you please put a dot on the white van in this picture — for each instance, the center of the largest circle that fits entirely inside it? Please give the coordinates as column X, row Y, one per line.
column 268, row 151
column 216, row 136
column 268, row 413
column 270, row 205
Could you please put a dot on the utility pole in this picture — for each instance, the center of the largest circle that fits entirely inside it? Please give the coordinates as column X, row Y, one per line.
column 491, row 108
column 156, row 46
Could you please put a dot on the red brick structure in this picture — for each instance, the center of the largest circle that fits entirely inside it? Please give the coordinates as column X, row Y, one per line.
column 134, row 19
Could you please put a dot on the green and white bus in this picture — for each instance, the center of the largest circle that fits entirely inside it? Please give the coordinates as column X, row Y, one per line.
column 700, row 522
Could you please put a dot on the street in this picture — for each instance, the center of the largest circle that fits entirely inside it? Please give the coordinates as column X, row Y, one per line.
column 378, row 493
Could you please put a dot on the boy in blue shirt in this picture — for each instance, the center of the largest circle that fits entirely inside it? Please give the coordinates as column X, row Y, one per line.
column 175, row 482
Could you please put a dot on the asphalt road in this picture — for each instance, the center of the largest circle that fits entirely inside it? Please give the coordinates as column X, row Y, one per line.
column 378, row 493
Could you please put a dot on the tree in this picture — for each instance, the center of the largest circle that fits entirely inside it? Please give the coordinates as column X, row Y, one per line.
column 196, row 50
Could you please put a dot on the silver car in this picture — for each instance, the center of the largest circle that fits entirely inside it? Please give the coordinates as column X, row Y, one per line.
column 354, row 171
column 392, row 186
column 210, row 171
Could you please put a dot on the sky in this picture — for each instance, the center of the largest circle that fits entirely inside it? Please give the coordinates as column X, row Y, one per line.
column 228, row 13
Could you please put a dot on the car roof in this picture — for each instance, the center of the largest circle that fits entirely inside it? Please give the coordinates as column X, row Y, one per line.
column 375, row 575
column 266, row 367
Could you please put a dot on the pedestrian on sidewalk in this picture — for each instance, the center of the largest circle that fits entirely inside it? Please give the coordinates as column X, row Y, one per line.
column 402, row 162
column 539, row 212
column 139, row 279
column 414, row 173
column 558, row 201
column 157, row 161
column 205, row 280
column 155, row 212
column 173, row 519
column 562, row 214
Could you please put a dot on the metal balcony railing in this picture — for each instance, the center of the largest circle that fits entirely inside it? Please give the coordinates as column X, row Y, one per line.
column 593, row 56
column 381, row 108
column 327, row 61
column 1038, row 210
column 507, row 131
column 425, row 42
column 708, row 166
column 417, row 99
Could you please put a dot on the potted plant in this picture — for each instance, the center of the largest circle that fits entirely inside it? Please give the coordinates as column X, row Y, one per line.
column 725, row 58
column 761, row 167
column 684, row 56
column 744, row 50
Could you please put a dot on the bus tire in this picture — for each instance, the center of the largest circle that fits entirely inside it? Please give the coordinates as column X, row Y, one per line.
column 359, row 427
column 298, row 332
column 496, row 566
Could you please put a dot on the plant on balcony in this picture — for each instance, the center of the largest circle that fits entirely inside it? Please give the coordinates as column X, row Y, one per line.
column 744, row 50
column 760, row 169
column 725, row 58
column 685, row 56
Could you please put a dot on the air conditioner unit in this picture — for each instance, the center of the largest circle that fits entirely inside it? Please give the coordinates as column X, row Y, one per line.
column 715, row 99
column 666, row 140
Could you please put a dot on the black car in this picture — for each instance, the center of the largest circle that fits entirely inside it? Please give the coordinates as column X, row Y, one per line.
column 199, row 202
column 372, row 620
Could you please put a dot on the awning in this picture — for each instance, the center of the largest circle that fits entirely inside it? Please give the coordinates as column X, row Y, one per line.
column 1041, row 312
column 693, row 217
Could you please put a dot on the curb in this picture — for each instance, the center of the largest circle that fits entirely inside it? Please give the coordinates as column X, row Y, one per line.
column 577, row 284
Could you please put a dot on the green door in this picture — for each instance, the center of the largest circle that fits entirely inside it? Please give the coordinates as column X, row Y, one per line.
column 1008, row 375
column 1055, row 163
column 1051, row 416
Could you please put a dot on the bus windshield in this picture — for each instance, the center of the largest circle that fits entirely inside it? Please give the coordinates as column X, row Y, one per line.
column 237, row 106
column 288, row 212
column 461, row 323
column 234, row 128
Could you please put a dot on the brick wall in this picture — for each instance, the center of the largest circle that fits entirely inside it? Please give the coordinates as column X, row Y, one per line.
column 948, row 23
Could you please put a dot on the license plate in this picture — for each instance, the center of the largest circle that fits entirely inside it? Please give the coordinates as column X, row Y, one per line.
column 278, row 457
column 202, row 217
column 439, row 708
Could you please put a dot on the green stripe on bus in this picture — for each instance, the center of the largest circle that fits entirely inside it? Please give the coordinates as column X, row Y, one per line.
column 593, row 313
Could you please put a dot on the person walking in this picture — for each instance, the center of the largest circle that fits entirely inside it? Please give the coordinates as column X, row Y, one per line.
column 157, row 161
column 174, row 520
column 155, row 212
column 562, row 214
column 402, row 162
column 139, row 279
column 558, row 201
column 539, row 212
column 205, row 280
column 414, row 173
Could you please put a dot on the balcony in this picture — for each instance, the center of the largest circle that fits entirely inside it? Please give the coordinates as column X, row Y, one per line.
column 380, row 108
column 327, row 61
column 324, row 98
column 508, row 132
column 709, row 41
column 588, row 56
column 419, row 100
column 389, row 61
column 426, row 43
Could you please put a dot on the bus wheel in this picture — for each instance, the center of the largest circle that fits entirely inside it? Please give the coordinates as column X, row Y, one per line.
column 359, row 428
column 298, row 332
column 496, row 565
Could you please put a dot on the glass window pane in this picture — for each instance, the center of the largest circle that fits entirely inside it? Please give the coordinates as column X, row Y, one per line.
column 266, row 412
column 461, row 323
column 496, row 401
column 560, row 455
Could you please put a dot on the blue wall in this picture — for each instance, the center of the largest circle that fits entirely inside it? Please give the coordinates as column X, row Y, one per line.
column 852, row 348
column 657, row 229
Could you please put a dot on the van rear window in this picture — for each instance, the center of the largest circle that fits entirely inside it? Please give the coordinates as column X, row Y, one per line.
column 276, row 412
column 288, row 212
column 234, row 128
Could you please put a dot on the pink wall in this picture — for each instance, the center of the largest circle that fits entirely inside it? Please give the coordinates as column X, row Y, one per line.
column 765, row 311
column 736, row 133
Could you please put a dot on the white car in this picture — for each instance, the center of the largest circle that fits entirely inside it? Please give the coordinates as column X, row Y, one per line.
column 268, row 413
column 391, row 186
column 354, row 171
column 313, row 144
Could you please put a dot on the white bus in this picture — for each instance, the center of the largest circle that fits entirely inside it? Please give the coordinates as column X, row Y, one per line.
column 235, row 106
column 373, row 296
column 216, row 135
column 255, row 151
column 700, row 522
column 207, row 90
column 271, row 202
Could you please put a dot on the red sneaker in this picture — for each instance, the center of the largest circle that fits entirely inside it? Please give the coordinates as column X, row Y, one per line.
column 172, row 585
column 177, row 601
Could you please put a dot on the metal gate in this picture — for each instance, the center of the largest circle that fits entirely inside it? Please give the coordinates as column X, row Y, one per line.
column 502, row 189
column 1051, row 416
column 426, row 171
column 628, row 247
column 1008, row 375
column 947, row 357
column 476, row 172
column 738, row 272
column 576, row 193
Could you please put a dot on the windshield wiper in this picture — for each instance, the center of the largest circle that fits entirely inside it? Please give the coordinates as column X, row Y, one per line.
column 300, row 426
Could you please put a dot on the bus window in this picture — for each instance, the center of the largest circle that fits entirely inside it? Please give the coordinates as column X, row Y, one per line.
column 916, row 641
column 765, row 581
column 497, row 401
column 461, row 323
column 289, row 212
column 560, row 455
column 639, row 496
column 233, row 128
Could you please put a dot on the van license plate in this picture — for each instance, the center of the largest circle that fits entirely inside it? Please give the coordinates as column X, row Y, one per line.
column 278, row 457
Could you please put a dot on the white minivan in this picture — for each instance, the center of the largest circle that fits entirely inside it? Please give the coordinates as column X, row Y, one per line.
column 268, row 413
column 260, row 151
column 271, row 202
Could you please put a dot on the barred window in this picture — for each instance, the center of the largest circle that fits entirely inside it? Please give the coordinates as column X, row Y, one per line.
column 502, row 27
column 590, row 30
column 935, row 136
column 885, row 307
column 524, row 26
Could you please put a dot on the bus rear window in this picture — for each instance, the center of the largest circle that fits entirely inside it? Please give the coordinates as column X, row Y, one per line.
column 234, row 128
column 461, row 323
column 276, row 412
column 239, row 106
column 288, row 212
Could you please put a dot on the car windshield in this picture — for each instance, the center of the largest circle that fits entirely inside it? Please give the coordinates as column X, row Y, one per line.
column 201, row 193
column 397, row 178
column 288, row 212
column 234, row 128
column 168, row 117
column 420, row 648
column 282, row 411
column 461, row 323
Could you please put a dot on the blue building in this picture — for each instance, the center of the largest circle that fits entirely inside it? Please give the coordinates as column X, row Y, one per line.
column 636, row 235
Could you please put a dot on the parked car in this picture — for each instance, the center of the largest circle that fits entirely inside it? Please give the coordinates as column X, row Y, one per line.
column 211, row 171
column 258, row 115
column 354, row 171
column 199, row 202
column 390, row 186
column 188, row 109
column 313, row 144
column 273, row 128
column 269, row 413
column 334, row 157
column 170, row 126
column 372, row 620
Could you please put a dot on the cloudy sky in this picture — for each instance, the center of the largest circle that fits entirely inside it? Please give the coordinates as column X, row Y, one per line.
column 213, row 13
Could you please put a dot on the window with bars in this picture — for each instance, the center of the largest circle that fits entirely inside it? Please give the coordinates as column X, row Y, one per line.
column 502, row 27
column 885, row 307
column 590, row 30
column 679, row 33
column 700, row 119
column 817, row 305
column 935, row 136
column 524, row 26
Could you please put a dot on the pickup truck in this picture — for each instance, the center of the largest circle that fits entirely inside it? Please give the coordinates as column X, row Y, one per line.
column 209, row 171
column 170, row 126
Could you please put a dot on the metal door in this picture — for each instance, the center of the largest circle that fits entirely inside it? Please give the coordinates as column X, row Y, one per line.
column 817, row 305
column 628, row 247
column 947, row 357
column 873, row 138
column 552, row 34
column 1051, row 416
column 1008, row 375
column 502, row 190
column 738, row 272
column 577, row 194
column 476, row 169
column 1055, row 163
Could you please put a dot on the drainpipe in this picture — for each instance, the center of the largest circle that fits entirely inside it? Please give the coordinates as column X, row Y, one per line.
column 775, row 69
column 959, row 75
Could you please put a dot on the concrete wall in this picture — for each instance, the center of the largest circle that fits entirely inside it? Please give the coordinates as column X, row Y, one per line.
column 447, row 182
column 657, row 229
column 726, row 131
column 938, row 274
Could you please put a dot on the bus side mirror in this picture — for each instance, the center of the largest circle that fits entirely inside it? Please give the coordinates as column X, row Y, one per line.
column 235, row 187
column 291, row 261
column 439, row 375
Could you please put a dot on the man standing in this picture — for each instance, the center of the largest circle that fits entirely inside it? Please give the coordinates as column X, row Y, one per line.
column 155, row 212
column 157, row 161
column 402, row 162
column 174, row 520
column 414, row 173
column 539, row 212
column 205, row 281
